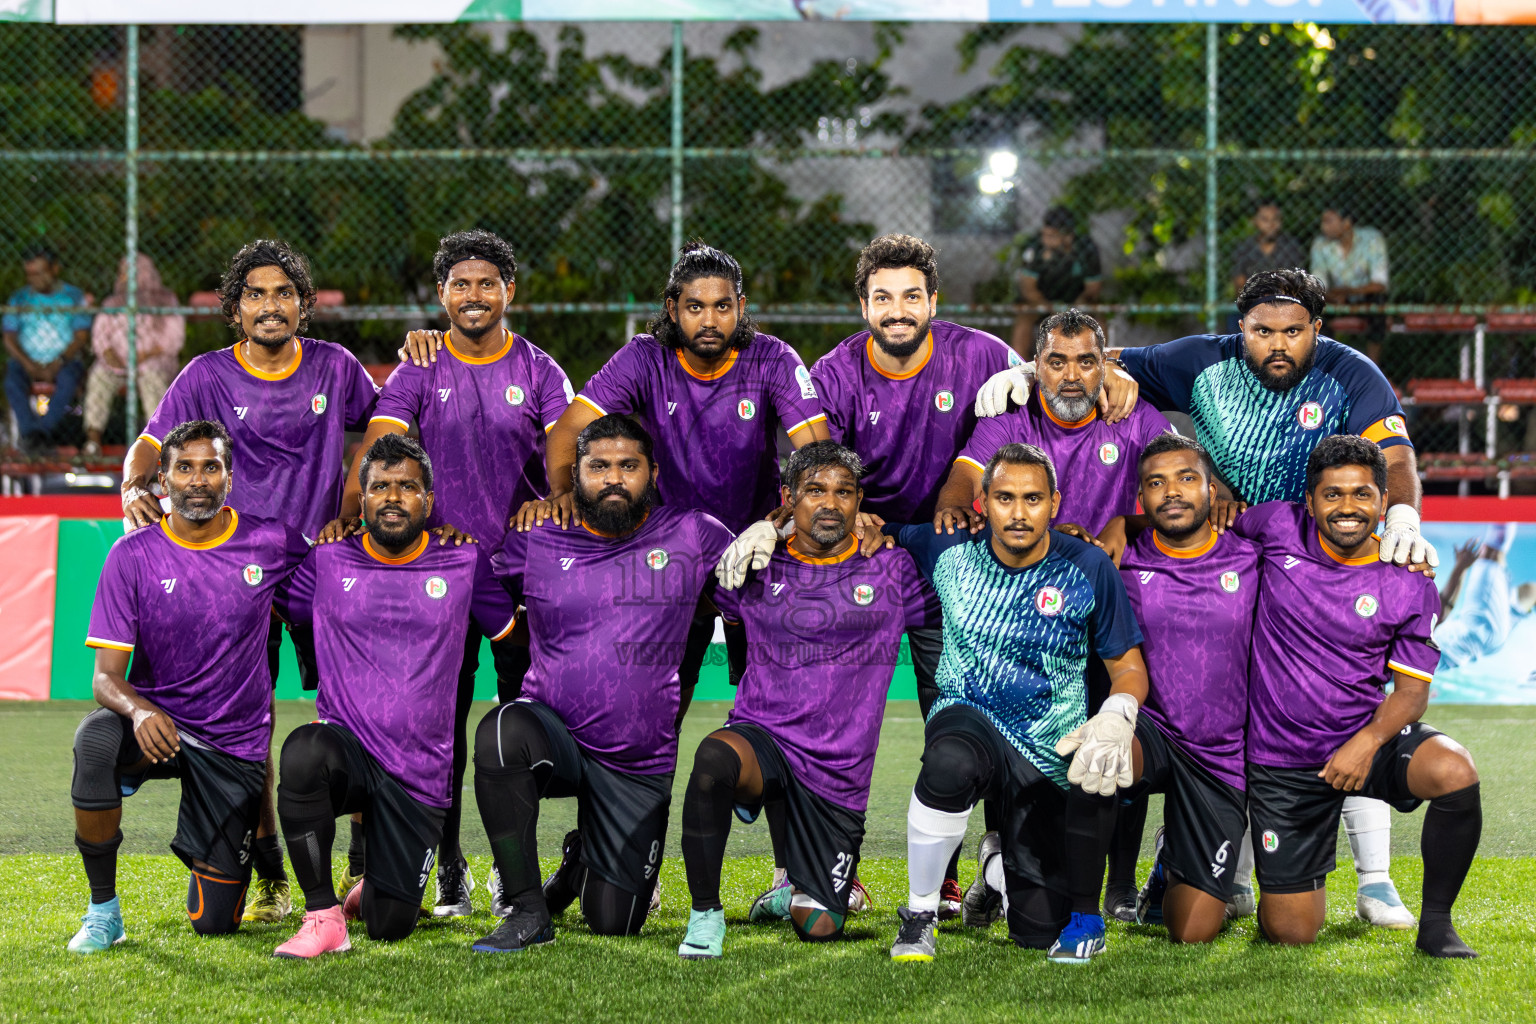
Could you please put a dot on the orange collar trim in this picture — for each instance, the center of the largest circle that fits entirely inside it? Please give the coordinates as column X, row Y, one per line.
column 1331, row 553
column 616, row 536
column 234, row 521
column 409, row 556
column 725, row 367
column 1157, row 542
column 869, row 350
column 843, row 556
column 1092, row 415
column 283, row 374
column 480, row 360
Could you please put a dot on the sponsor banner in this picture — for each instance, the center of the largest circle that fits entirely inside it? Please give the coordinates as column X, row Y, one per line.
column 1487, row 581
column 27, row 577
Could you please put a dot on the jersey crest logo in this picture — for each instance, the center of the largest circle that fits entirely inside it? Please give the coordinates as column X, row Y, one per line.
column 803, row 378
column 1109, row 453
column 169, row 584
column 318, row 403
column 671, row 408
column 777, row 588
column 1271, row 841
column 1146, row 576
column 874, row 417
column 863, row 594
column 347, row 583
column 566, row 563
column 252, row 575
column 443, row 393
column 1310, row 415
column 657, row 559
column 1366, row 605
column 436, row 587
column 746, row 408
column 1048, row 602
column 1230, row 582
column 944, row 401
column 1396, row 425
column 515, row 395
column 1291, row 562
column 241, row 410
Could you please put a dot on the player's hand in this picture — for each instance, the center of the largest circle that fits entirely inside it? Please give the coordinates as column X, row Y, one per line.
column 559, row 507
column 1224, row 511
column 1112, row 539
column 155, row 733
column 1118, row 397
column 870, row 531
column 1401, row 541
column 449, row 533
column 783, row 520
column 1467, row 553
column 751, row 550
column 140, row 508
column 339, row 529
column 1350, row 765
column 946, row 519
column 1081, row 533
column 1101, row 748
column 1003, row 387
column 421, row 347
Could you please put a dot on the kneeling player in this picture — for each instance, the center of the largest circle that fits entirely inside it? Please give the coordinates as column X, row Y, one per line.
column 191, row 598
column 384, row 606
column 823, row 631
column 1333, row 625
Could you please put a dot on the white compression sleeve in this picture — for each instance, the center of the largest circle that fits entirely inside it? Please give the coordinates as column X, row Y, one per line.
column 932, row 838
column 1369, row 826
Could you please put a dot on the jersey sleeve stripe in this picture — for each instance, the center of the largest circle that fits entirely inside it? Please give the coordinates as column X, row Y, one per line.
column 818, row 418
column 390, row 419
column 971, row 462
column 1379, row 432
column 152, row 440
column 1428, row 677
column 550, row 426
column 584, row 400
column 111, row 645
column 508, row 628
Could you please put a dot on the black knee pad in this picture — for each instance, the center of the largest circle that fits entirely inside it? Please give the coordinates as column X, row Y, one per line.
column 312, row 760
column 387, row 919
column 99, row 743
column 609, row 910
column 215, row 903
column 1036, row 915
column 955, row 771
column 510, row 737
column 716, row 764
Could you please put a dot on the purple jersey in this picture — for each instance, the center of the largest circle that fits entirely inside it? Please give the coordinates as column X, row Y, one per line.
column 1195, row 609
column 608, row 619
column 715, row 435
column 907, row 428
column 1095, row 460
column 288, row 428
column 823, row 639
column 482, row 421
column 387, row 641
column 196, row 618
column 1327, row 636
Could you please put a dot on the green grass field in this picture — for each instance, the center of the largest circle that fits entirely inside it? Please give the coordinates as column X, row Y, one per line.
column 165, row 973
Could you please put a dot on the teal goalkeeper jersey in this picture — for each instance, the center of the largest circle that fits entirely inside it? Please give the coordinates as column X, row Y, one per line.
column 1016, row 641
column 1260, row 439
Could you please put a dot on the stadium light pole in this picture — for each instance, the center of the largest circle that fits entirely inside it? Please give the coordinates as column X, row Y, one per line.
column 677, row 138
column 1211, row 225
column 131, row 229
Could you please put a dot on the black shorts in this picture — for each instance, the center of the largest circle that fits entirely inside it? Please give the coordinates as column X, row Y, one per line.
column 1295, row 814
column 400, row 831
column 1203, row 817
column 622, row 816
column 1034, row 809
column 821, row 840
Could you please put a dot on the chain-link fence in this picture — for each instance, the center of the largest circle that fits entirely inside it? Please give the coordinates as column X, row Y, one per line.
column 1398, row 158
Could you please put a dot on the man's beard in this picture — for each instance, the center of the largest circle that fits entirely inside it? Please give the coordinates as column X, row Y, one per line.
column 1285, row 381
column 476, row 333
column 1020, row 550
column 1201, row 517
column 1071, row 408
column 271, row 343
column 825, row 532
column 900, row 350
column 741, row 336
column 612, row 517
column 195, row 513
column 402, row 536
column 1339, row 541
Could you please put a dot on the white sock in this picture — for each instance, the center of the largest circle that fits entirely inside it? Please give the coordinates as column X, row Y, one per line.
column 1368, row 823
column 992, row 871
column 932, row 838
column 1243, row 876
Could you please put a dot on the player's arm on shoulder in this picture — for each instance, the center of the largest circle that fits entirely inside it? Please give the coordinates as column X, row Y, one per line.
column 421, row 347
column 1166, row 372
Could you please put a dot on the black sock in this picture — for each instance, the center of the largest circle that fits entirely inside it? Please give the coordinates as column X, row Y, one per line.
column 1125, row 847
column 356, row 849
column 1452, row 827
column 267, row 859
column 707, row 807
column 100, row 861
column 309, row 848
column 1090, row 825
column 509, row 806
column 776, row 813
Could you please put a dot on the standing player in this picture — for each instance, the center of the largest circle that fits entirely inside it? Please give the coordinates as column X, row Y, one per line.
column 382, row 605
column 823, row 631
column 1333, row 626
column 287, row 402
column 609, row 607
column 482, row 411
column 190, row 599
column 1023, row 606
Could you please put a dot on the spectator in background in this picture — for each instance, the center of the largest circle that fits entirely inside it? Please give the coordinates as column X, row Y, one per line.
column 1352, row 264
column 158, row 339
column 1054, row 268
column 43, row 347
column 1268, row 248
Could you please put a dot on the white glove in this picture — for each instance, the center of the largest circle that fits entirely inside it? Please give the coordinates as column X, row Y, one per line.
column 751, row 550
column 1401, row 541
column 1010, row 385
column 1103, row 745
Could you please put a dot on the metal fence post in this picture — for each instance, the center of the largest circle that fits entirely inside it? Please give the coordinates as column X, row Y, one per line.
column 131, row 232
column 677, row 137
column 1211, row 225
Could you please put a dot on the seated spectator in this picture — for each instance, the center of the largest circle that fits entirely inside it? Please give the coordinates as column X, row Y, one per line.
column 43, row 347
column 1056, row 268
column 158, row 339
column 1352, row 264
column 1268, row 248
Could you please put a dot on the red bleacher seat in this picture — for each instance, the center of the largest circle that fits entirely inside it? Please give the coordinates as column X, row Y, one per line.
column 1346, row 325
column 1443, row 391
column 330, row 297
column 1512, row 322
column 380, row 371
column 204, row 300
column 1453, row 466
column 1439, row 323
column 1515, row 390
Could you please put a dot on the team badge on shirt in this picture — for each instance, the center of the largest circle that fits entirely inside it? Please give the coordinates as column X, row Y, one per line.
column 1310, row 415
column 515, row 395
column 746, row 408
column 318, row 403
column 1230, row 582
column 1396, row 425
column 436, row 587
column 863, row 594
column 1271, row 841
column 944, row 401
column 1048, row 601
column 1109, row 453
column 252, row 575
column 657, row 559
column 1366, row 605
